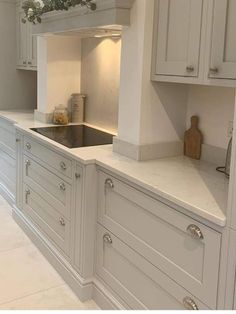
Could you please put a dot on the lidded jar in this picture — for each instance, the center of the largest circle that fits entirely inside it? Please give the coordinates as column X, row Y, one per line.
column 61, row 115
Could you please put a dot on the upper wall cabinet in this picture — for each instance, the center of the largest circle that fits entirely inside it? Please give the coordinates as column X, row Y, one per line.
column 195, row 42
column 223, row 49
column 26, row 43
column 179, row 36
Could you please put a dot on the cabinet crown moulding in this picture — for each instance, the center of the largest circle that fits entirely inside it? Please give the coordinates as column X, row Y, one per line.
column 109, row 14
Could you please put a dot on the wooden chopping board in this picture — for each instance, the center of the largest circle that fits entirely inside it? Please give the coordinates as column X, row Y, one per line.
column 193, row 140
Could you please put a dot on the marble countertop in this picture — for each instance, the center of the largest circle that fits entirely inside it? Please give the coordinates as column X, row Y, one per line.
column 193, row 185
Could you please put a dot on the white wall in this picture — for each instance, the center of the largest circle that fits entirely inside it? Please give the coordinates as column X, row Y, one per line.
column 100, row 80
column 17, row 88
column 59, row 60
column 215, row 108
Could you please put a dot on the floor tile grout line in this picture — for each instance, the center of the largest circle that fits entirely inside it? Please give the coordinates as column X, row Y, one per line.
column 31, row 294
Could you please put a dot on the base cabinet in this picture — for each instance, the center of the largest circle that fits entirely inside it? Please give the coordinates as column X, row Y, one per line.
column 104, row 233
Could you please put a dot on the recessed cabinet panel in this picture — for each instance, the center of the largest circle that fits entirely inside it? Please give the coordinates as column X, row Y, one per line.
column 32, row 48
column 223, row 52
column 21, row 30
column 179, row 35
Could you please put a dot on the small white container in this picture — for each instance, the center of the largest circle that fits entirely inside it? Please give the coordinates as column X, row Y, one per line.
column 77, row 108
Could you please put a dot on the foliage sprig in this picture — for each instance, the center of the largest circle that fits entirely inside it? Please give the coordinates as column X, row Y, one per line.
column 34, row 9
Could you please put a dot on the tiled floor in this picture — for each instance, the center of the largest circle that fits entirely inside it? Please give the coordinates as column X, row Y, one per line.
column 27, row 280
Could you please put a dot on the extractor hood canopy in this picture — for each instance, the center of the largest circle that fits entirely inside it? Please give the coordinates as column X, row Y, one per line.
column 110, row 16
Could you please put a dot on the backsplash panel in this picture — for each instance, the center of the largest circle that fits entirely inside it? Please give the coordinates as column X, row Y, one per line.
column 100, row 79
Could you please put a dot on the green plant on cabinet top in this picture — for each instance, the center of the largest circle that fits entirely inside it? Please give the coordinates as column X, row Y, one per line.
column 34, row 9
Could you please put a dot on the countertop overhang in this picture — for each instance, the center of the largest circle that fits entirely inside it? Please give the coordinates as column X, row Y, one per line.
column 109, row 15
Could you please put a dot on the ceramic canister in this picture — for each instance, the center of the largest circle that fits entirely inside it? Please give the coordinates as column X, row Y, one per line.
column 77, row 108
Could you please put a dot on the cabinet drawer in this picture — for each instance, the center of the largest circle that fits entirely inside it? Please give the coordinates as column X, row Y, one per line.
column 162, row 235
column 7, row 138
column 134, row 279
column 55, row 226
column 8, row 172
column 54, row 190
column 53, row 159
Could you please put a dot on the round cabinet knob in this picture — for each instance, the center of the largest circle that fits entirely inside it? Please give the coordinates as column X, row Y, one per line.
column 107, row 238
column 28, row 146
column 77, row 175
column 27, row 162
column 214, row 70
column 62, row 186
column 17, row 140
column 30, row 63
column 109, row 184
column 62, row 221
column 24, row 62
column 190, row 304
column 63, row 165
column 195, row 232
column 190, row 69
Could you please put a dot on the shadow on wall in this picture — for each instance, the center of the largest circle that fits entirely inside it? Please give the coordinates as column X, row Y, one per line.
column 174, row 98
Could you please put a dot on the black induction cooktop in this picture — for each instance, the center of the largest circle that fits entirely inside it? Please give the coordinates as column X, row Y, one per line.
column 74, row 136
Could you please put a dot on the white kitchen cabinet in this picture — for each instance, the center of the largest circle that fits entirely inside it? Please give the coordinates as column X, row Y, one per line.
column 78, row 218
column 26, row 43
column 223, row 47
column 194, row 42
column 179, row 36
column 7, row 160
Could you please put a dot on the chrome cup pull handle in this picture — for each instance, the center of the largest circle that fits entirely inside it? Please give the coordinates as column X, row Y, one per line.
column 195, row 232
column 62, row 222
column 63, row 165
column 107, row 238
column 109, row 184
column 190, row 304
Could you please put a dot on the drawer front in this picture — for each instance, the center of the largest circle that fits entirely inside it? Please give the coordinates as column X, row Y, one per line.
column 134, row 279
column 163, row 236
column 55, row 226
column 49, row 157
column 54, row 190
column 8, row 172
column 7, row 138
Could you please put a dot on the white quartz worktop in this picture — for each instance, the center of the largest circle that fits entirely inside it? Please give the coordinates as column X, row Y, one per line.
column 193, row 185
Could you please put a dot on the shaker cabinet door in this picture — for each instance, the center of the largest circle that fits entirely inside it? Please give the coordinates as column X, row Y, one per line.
column 178, row 37
column 223, row 48
column 21, row 31
column 32, row 48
